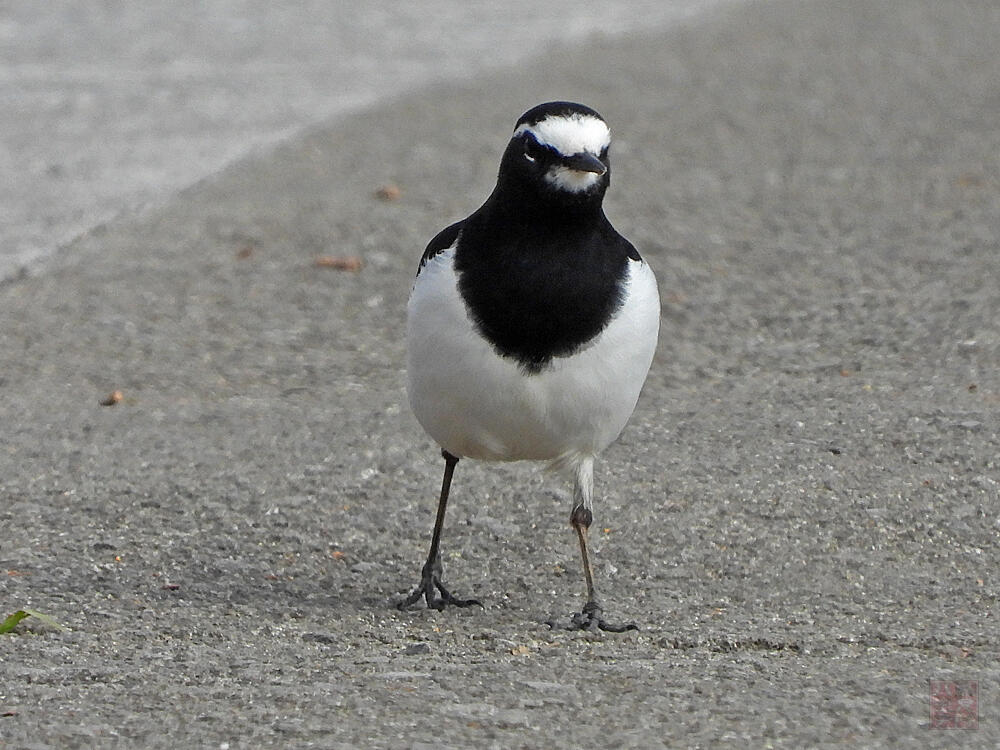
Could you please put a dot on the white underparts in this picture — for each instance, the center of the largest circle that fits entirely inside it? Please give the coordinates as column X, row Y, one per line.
column 476, row 403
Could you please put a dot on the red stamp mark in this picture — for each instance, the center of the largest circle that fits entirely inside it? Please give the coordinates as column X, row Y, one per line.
column 954, row 704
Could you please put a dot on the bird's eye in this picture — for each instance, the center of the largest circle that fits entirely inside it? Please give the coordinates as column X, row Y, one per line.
column 532, row 150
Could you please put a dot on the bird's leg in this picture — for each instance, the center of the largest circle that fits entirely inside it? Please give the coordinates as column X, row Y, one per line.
column 430, row 575
column 580, row 519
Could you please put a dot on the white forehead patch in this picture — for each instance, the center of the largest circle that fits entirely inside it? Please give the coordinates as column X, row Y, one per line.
column 570, row 134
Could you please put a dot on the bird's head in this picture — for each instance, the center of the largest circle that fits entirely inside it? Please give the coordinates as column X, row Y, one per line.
column 559, row 151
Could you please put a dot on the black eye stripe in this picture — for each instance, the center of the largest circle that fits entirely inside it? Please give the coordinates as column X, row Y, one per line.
column 534, row 149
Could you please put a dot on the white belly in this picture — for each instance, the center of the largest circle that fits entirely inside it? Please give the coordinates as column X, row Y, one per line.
column 478, row 404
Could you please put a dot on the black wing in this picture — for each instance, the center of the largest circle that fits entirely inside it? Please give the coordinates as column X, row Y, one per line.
column 441, row 242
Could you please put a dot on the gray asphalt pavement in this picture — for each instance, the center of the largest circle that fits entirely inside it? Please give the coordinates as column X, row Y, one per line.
column 110, row 108
column 803, row 515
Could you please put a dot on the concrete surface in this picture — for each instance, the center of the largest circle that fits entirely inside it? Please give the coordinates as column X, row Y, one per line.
column 802, row 515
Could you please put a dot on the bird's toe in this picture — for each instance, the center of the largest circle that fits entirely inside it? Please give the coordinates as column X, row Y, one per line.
column 590, row 619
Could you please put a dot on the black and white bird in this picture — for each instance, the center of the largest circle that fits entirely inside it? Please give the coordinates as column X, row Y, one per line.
column 532, row 324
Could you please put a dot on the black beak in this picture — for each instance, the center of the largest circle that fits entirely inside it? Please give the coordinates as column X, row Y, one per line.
column 585, row 162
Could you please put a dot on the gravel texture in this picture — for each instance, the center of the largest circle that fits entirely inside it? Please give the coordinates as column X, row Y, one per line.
column 803, row 515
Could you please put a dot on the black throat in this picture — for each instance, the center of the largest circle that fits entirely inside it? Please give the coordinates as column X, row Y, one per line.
column 541, row 271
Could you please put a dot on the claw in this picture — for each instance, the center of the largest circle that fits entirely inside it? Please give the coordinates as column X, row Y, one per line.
column 429, row 581
column 590, row 619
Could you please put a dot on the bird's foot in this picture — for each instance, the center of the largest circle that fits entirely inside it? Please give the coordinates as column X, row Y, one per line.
column 590, row 619
column 429, row 581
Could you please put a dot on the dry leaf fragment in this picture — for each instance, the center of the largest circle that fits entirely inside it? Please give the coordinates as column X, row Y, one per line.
column 245, row 252
column 970, row 179
column 388, row 192
column 338, row 263
column 112, row 398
